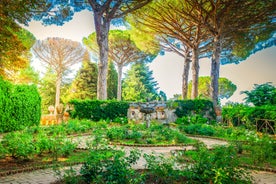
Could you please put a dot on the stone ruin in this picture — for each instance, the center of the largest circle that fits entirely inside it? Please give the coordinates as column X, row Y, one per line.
column 147, row 111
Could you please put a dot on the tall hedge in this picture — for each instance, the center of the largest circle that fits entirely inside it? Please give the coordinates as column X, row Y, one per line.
column 198, row 106
column 97, row 110
column 5, row 105
column 20, row 106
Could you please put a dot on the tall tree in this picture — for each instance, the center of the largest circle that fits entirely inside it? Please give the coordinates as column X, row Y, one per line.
column 226, row 87
column 139, row 85
column 17, row 57
column 84, row 86
column 105, row 11
column 59, row 54
column 176, row 32
column 11, row 41
column 226, row 19
column 122, row 51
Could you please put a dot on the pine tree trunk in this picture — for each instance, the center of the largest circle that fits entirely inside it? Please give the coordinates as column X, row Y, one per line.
column 185, row 76
column 102, row 29
column 119, row 87
column 195, row 73
column 215, row 67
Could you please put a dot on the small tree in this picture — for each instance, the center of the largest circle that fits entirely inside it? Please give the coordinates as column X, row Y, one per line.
column 139, row 84
column 112, row 81
column 59, row 54
column 84, row 85
column 262, row 94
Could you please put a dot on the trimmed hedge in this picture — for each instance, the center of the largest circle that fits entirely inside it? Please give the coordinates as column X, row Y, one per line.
column 20, row 106
column 198, row 106
column 96, row 110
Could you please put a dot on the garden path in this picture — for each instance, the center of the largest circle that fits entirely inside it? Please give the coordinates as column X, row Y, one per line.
column 47, row 176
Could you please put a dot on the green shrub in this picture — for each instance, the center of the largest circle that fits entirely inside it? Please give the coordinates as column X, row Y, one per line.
column 20, row 145
column 111, row 166
column 67, row 148
column 161, row 170
column 96, row 110
column 219, row 165
column 43, row 143
column 20, row 106
column 6, row 106
column 199, row 129
column 121, row 120
column 117, row 133
column 261, row 149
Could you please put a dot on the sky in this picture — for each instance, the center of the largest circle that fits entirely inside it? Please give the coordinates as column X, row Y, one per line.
column 167, row 70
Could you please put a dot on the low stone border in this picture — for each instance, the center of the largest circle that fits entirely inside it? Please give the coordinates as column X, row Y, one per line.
column 252, row 167
column 150, row 145
column 38, row 167
column 215, row 138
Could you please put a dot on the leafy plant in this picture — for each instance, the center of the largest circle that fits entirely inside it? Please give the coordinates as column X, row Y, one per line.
column 219, row 165
column 19, row 145
column 262, row 94
column 161, row 170
column 200, row 129
column 111, row 166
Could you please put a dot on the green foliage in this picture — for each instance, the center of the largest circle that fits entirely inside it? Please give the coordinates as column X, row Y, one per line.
column 26, row 109
column 3, row 151
column 198, row 129
column 187, row 120
column 261, row 94
column 96, row 110
column 198, row 106
column 121, row 120
column 219, row 165
column 111, row 166
column 116, row 133
column 19, row 145
column 238, row 114
column 262, row 149
column 20, row 106
column 112, row 81
column 6, row 106
column 47, row 90
column 84, row 85
column 161, row 170
column 226, row 87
